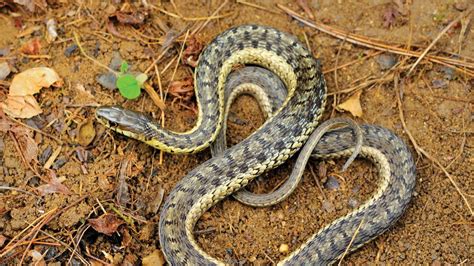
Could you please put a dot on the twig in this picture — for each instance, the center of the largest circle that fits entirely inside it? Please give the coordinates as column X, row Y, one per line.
column 52, row 158
column 179, row 56
column 316, row 179
column 76, row 243
column 438, row 37
column 35, row 232
column 12, row 244
column 352, row 240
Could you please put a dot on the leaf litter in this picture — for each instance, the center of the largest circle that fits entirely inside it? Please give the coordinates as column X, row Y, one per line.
column 106, row 224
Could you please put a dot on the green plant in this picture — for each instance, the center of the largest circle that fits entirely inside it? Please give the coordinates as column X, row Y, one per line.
column 128, row 84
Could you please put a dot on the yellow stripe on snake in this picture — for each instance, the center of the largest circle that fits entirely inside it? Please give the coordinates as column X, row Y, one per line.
column 281, row 136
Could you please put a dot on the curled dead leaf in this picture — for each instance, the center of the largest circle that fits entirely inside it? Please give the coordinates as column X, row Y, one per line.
column 352, row 105
column 106, row 224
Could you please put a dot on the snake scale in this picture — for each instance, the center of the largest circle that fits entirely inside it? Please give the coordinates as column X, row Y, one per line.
column 281, row 136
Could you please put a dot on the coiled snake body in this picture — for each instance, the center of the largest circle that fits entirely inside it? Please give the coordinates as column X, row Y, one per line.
column 279, row 138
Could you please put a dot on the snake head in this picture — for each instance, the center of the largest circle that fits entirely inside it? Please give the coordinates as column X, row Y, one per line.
column 127, row 122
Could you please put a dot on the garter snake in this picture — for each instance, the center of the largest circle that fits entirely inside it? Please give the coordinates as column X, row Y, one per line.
column 278, row 138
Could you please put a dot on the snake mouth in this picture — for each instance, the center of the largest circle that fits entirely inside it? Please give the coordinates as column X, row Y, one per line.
column 123, row 120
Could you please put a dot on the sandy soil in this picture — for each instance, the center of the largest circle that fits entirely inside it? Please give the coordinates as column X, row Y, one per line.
column 437, row 104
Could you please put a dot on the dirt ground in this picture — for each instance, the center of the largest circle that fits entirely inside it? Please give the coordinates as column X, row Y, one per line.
column 128, row 179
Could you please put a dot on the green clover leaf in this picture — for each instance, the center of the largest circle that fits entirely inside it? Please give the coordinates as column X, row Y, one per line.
column 128, row 86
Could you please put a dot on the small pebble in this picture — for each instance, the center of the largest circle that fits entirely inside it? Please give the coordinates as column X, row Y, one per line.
column 449, row 73
column 236, row 120
column 107, row 80
column 332, row 183
column 4, row 51
column 70, row 50
column 386, row 61
column 34, row 181
column 45, row 155
column 283, row 248
column 59, row 163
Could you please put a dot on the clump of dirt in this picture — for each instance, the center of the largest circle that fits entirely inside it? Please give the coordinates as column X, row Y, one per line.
column 121, row 183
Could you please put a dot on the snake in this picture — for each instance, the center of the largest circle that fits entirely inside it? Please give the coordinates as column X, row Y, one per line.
column 279, row 138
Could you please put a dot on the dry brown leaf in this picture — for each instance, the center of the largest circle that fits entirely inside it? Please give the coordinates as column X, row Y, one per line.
column 191, row 53
column 86, row 133
column 54, row 186
column 24, row 136
column 106, row 224
column 21, row 106
column 32, row 80
column 182, row 89
column 156, row 258
column 20, row 102
column 352, row 105
column 32, row 4
column 3, row 239
column 32, row 47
